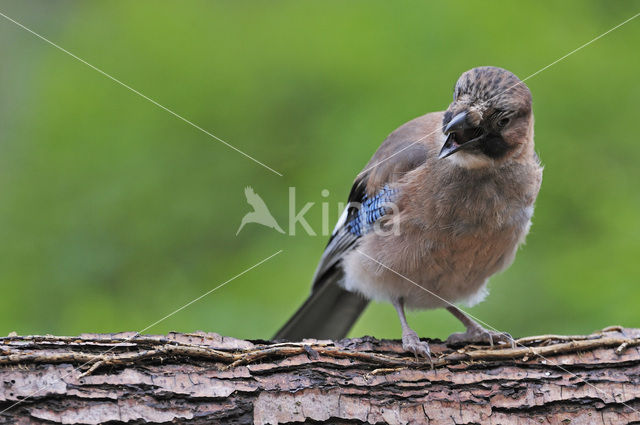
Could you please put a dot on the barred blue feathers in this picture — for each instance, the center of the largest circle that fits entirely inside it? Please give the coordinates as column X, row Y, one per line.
column 370, row 210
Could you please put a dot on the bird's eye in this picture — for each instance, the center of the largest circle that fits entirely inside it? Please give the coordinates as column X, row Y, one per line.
column 503, row 122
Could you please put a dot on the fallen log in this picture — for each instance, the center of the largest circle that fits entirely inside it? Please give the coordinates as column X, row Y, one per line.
column 204, row 378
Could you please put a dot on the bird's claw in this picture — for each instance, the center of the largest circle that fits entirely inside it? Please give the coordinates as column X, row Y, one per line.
column 411, row 343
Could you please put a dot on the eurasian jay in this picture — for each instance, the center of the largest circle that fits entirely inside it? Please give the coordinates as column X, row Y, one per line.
column 441, row 206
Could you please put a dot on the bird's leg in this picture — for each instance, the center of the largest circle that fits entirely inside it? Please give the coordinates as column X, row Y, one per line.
column 410, row 339
column 475, row 332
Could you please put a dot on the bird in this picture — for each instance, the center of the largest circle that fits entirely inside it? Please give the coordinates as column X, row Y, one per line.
column 443, row 204
column 260, row 213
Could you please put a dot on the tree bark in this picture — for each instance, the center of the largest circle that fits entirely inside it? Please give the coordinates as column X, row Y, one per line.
column 206, row 378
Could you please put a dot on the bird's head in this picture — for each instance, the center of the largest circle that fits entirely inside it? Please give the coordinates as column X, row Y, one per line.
column 490, row 119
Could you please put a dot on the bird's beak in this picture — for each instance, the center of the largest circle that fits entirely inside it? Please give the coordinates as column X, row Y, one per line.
column 450, row 147
column 457, row 123
column 460, row 135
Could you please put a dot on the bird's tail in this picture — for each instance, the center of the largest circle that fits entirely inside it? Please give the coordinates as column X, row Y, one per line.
column 328, row 313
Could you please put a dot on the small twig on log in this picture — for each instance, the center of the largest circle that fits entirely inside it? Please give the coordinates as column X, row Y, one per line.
column 15, row 355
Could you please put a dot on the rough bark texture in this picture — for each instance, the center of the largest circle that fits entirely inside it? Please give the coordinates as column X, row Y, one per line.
column 206, row 378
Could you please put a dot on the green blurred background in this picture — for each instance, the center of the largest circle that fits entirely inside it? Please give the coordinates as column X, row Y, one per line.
column 113, row 213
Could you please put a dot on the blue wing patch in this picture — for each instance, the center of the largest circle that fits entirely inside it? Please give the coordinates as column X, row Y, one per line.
column 362, row 218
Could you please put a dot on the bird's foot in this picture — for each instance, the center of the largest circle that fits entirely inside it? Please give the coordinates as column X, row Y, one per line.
column 411, row 342
column 480, row 335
